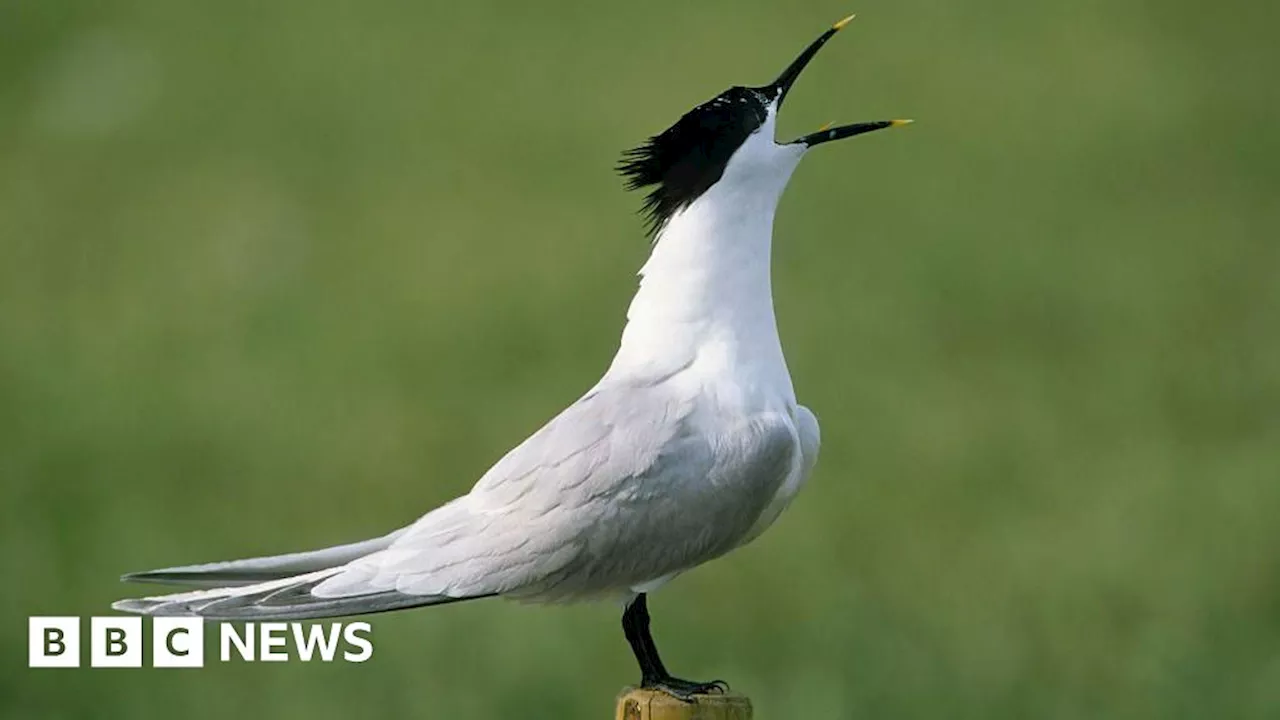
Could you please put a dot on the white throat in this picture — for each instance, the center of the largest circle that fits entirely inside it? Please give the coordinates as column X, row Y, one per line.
column 705, row 295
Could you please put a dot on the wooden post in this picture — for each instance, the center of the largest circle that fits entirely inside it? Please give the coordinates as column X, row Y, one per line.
column 638, row 704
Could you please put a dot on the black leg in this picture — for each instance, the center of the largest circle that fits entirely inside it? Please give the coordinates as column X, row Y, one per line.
column 635, row 623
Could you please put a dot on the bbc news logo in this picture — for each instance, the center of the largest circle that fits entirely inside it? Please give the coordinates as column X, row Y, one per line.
column 54, row 642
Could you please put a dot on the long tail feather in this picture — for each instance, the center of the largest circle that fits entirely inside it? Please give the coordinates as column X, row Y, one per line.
column 251, row 571
column 285, row 599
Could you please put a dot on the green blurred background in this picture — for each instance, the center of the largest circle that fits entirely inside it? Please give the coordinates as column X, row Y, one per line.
column 279, row 275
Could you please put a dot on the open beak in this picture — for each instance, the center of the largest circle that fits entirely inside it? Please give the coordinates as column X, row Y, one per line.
column 783, row 84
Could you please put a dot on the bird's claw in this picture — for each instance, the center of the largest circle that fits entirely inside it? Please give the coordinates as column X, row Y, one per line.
column 685, row 690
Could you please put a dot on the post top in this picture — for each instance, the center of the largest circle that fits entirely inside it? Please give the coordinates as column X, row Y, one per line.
column 640, row 704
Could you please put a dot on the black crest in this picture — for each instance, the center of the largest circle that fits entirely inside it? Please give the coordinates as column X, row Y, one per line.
column 689, row 157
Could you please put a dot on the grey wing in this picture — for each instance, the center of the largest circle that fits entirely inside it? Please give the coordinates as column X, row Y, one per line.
column 620, row 488
column 809, row 438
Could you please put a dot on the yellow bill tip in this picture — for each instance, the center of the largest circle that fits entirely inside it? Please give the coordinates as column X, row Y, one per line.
column 826, row 126
column 900, row 122
column 840, row 24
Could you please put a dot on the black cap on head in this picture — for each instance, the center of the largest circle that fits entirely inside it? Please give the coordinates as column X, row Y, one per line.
column 686, row 159
column 689, row 157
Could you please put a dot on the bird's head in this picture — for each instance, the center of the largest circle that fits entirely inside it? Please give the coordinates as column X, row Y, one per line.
column 728, row 138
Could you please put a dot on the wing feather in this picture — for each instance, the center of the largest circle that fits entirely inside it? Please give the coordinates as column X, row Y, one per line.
column 622, row 487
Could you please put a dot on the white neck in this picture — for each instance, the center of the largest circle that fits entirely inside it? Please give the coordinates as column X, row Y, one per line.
column 705, row 295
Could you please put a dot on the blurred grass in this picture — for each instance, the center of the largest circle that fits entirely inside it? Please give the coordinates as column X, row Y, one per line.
column 277, row 276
